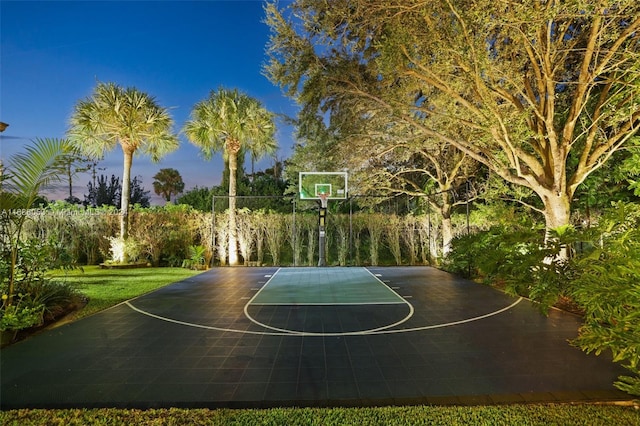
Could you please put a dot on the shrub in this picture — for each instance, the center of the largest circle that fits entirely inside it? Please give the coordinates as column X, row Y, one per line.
column 54, row 296
column 196, row 258
column 120, row 246
column 274, row 228
column 163, row 232
column 607, row 286
column 603, row 278
column 38, row 298
column 19, row 315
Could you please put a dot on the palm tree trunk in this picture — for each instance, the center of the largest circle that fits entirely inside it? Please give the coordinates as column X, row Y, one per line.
column 70, row 182
column 124, row 201
column 233, row 237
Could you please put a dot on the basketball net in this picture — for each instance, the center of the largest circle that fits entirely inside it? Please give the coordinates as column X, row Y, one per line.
column 324, row 199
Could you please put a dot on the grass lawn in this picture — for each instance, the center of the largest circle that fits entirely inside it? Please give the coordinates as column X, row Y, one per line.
column 108, row 287
column 520, row 415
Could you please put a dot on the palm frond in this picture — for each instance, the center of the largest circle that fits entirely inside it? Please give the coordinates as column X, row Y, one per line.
column 32, row 170
column 229, row 114
column 114, row 115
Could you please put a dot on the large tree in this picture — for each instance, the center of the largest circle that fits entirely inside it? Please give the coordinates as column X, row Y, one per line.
column 74, row 162
column 541, row 92
column 168, row 182
column 385, row 155
column 103, row 193
column 113, row 116
column 234, row 123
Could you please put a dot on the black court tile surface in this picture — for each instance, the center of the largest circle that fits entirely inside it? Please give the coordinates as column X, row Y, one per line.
column 202, row 343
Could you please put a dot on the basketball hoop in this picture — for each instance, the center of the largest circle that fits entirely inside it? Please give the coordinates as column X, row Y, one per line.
column 324, row 199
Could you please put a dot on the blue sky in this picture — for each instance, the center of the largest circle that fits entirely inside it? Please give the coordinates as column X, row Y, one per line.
column 53, row 52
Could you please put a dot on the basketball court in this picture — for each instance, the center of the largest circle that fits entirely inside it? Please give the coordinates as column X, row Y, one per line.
column 325, row 336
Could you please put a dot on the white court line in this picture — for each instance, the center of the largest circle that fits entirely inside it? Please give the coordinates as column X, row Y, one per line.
column 284, row 332
column 355, row 333
column 206, row 327
column 449, row 324
column 347, row 333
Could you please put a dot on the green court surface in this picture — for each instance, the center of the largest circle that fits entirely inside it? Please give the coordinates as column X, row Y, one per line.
column 325, row 286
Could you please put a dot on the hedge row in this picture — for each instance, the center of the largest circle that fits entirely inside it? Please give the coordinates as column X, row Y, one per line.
column 163, row 235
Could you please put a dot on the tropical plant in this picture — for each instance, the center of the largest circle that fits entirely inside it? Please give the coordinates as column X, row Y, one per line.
column 260, row 220
column 168, row 182
column 123, row 251
column 203, row 224
column 17, row 317
column 409, row 235
column 607, row 286
column 295, row 237
column 112, row 116
column 234, row 123
column 340, row 223
column 375, row 226
column 196, row 258
column 26, row 174
column 308, row 224
column 392, row 232
column 246, row 233
column 221, row 232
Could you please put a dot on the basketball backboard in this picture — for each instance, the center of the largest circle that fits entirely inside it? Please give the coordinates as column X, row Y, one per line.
column 314, row 184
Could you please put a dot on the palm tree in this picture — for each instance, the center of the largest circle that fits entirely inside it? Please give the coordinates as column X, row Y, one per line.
column 112, row 116
column 20, row 186
column 168, row 182
column 234, row 123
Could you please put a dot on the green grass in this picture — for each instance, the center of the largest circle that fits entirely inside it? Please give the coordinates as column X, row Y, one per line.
column 108, row 287
column 521, row 415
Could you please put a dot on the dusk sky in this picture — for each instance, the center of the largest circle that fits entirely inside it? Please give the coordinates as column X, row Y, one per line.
column 53, row 53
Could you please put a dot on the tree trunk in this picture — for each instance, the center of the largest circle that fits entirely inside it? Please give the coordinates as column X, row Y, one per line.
column 557, row 211
column 233, row 238
column 124, row 201
column 69, row 177
column 447, row 235
column 447, row 227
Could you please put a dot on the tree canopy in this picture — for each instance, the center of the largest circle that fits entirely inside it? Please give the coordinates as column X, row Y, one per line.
column 168, row 182
column 542, row 93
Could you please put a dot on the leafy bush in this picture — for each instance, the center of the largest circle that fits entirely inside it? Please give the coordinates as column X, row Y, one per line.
column 487, row 255
column 607, row 286
column 120, row 247
column 196, row 258
column 602, row 278
column 18, row 316
column 164, row 232
column 54, row 296
column 39, row 299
